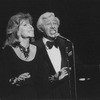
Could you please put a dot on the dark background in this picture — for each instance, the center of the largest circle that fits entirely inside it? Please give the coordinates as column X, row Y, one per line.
column 79, row 22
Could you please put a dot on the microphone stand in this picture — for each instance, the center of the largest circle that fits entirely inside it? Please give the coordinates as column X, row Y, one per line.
column 74, row 70
column 73, row 65
column 68, row 72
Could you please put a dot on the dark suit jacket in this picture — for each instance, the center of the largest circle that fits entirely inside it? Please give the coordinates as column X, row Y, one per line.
column 57, row 89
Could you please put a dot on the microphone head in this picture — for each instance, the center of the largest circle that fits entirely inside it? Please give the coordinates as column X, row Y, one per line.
column 58, row 35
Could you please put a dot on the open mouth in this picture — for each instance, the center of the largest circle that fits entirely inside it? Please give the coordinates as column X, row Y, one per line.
column 30, row 31
column 52, row 31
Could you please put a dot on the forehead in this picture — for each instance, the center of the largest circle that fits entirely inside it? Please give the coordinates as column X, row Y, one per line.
column 48, row 19
column 24, row 21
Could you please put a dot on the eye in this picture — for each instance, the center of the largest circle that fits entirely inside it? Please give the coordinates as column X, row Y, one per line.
column 24, row 24
column 47, row 23
column 55, row 23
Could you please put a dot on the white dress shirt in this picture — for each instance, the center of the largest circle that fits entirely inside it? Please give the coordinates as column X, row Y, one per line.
column 54, row 55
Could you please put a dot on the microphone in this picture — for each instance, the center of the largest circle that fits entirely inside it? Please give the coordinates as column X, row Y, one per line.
column 58, row 35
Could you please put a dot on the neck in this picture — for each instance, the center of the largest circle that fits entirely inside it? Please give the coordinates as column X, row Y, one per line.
column 24, row 42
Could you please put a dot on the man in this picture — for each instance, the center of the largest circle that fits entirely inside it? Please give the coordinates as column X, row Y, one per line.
column 54, row 60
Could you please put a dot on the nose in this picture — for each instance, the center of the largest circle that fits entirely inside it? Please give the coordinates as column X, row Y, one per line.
column 52, row 25
column 31, row 27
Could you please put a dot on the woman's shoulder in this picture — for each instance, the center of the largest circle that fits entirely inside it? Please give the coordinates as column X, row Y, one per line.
column 7, row 48
column 7, row 51
column 6, row 55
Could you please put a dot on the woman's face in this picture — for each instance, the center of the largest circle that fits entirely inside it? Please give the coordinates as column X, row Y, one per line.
column 25, row 29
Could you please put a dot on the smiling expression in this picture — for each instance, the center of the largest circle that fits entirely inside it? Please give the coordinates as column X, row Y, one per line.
column 26, row 29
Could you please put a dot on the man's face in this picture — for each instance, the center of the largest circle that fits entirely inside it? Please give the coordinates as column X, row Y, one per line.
column 51, row 27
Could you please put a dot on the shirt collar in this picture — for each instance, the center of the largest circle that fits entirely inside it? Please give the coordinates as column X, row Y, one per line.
column 44, row 41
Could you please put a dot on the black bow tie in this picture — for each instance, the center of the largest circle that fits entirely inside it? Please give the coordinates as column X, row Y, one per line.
column 51, row 43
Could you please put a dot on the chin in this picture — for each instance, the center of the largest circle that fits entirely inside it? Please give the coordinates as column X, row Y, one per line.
column 53, row 36
column 30, row 36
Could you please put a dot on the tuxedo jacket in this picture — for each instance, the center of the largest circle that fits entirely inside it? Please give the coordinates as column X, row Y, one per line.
column 59, row 89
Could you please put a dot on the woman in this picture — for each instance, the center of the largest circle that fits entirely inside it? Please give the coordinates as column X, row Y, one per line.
column 18, row 59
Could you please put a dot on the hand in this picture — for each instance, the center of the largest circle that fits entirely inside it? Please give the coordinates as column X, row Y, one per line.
column 23, row 76
column 63, row 72
column 53, row 77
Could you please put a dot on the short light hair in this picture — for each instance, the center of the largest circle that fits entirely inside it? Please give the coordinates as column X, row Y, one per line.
column 13, row 27
column 40, row 22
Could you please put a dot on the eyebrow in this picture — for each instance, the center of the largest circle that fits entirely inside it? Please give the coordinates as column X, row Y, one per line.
column 49, row 20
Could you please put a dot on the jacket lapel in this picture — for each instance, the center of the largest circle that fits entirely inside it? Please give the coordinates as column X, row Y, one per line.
column 46, row 59
column 64, row 57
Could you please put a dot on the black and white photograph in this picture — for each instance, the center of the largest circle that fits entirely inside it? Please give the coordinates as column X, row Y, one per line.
column 49, row 49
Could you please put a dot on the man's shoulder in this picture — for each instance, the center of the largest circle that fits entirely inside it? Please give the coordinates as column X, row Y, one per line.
column 38, row 42
column 64, row 42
